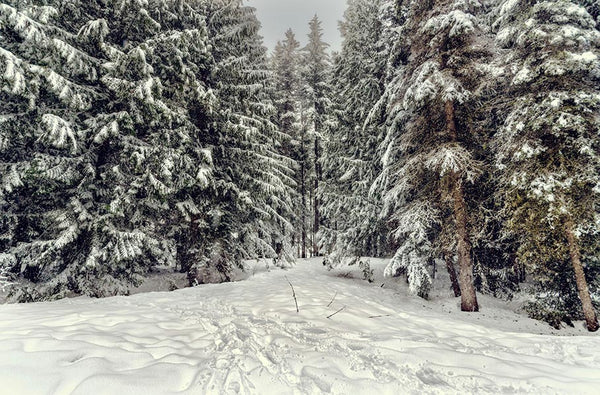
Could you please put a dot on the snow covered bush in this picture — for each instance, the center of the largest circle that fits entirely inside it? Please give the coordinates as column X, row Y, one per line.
column 409, row 262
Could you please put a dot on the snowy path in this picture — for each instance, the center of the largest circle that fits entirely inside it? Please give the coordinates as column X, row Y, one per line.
column 247, row 338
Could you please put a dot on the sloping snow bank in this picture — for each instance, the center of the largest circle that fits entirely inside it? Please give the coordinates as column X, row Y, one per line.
column 247, row 338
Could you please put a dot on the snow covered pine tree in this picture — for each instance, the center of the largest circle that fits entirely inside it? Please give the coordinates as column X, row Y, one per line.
column 315, row 91
column 351, row 225
column 428, row 185
column 253, row 206
column 119, row 133
column 285, row 67
column 548, row 152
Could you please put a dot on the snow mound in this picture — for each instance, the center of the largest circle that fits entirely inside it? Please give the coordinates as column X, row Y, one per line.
column 247, row 338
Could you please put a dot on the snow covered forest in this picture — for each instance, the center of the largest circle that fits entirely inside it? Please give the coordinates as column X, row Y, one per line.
column 457, row 136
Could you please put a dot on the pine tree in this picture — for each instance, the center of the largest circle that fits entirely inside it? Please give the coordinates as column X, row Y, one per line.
column 593, row 7
column 181, row 59
column 547, row 150
column 412, row 237
column 285, row 65
column 433, row 139
column 49, row 89
column 103, row 211
column 350, row 213
column 315, row 95
column 254, row 181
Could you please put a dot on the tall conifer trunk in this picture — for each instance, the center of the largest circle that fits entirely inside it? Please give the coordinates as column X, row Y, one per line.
column 465, row 263
column 303, row 209
column 317, row 217
column 452, row 273
column 589, row 313
column 303, row 192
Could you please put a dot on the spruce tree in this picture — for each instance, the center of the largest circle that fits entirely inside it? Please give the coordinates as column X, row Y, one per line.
column 315, row 93
column 547, row 151
column 122, row 118
column 285, row 64
column 254, row 181
column 433, row 138
column 351, row 226
column 50, row 87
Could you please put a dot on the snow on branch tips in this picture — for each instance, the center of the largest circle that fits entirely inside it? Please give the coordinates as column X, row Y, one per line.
column 453, row 158
column 415, row 220
column 457, row 22
column 58, row 132
column 13, row 78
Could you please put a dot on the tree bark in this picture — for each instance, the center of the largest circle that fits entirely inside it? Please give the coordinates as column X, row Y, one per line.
column 519, row 270
column 317, row 217
column 450, row 122
column 465, row 263
column 589, row 313
column 303, row 209
column 452, row 273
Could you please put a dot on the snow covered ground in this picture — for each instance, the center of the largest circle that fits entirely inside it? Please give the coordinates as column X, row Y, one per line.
column 247, row 338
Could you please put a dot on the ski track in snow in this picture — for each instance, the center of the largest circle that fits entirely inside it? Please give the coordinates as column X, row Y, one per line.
column 246, row 338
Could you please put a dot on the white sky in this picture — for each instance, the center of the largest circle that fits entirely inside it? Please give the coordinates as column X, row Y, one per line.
column 276, row 16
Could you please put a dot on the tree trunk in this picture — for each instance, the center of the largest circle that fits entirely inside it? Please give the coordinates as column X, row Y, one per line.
column 582, row 286
column 452, row 273
column 317, row 217
column 310, row 227
column 465, row 263
column 303, row 215
column 303, row 192
column 519, row 270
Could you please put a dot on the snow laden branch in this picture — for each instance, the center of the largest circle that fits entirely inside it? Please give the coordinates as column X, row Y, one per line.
column 456, row 160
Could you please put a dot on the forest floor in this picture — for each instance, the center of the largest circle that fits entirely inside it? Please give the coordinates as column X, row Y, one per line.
column 349, row 337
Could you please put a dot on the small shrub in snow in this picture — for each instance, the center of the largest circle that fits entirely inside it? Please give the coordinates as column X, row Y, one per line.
column 365, row 266
column 415, row 269
column 553, row 315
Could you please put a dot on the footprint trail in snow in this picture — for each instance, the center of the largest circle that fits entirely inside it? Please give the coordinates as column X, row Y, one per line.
column 247, row 338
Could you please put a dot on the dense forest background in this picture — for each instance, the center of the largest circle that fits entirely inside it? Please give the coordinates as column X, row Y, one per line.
column 136, row 134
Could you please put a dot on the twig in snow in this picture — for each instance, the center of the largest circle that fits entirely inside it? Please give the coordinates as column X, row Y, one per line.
column 293, row 294
column 331, row 315
column 380, row 316
column 332, row 299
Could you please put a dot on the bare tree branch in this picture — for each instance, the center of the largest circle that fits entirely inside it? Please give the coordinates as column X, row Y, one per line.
column 294, row 295
column 332, row 299
column 331, row 315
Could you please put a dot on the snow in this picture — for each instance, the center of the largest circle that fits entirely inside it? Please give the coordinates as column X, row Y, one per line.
column 58, row 132
column 13, row 72
column 247, row 337
column 523, row 76
column 586, row 57
column 459, row 22
column 507, row 7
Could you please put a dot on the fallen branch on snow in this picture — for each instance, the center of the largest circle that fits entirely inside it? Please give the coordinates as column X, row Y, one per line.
column 332, row 299
column 331, row 315
column 293, row 294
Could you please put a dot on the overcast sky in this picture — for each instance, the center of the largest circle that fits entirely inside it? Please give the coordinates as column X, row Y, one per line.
column 276, row 16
